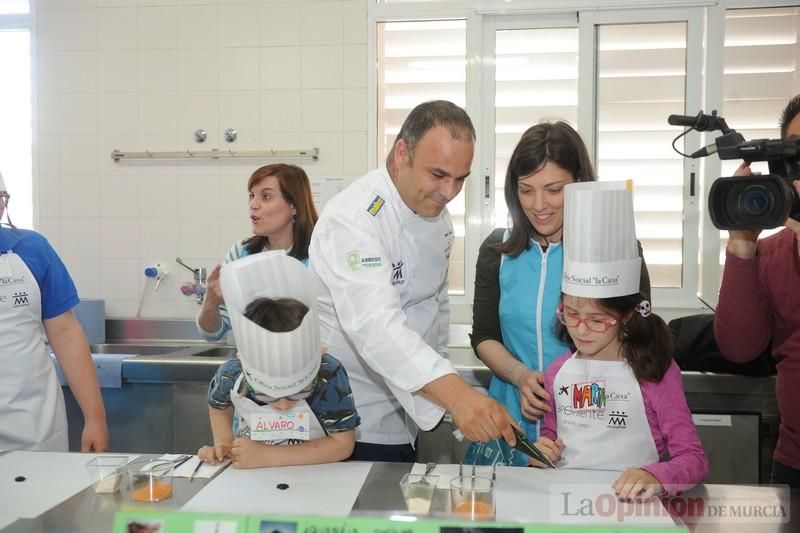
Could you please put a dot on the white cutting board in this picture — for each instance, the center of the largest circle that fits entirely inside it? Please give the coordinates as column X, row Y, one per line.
column 50, row 478
column 322, row 490
column 561, row 495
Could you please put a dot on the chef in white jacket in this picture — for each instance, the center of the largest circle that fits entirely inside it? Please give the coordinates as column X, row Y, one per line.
column 36, row 297
column 381, row 247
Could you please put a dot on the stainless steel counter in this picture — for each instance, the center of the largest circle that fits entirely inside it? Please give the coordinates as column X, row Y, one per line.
column 380, row 495
column 162, row 404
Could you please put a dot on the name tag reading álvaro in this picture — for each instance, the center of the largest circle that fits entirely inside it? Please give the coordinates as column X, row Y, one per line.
column 292, row 424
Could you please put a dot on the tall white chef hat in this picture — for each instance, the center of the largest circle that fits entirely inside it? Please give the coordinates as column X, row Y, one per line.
column 276, row 364
column 601, row 254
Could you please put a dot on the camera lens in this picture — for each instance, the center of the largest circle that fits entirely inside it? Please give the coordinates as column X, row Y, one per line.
column 755, row 201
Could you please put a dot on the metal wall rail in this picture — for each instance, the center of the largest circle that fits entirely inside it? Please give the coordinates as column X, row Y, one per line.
column 313, row 153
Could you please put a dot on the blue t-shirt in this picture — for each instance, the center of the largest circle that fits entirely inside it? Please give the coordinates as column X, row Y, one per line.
column 59, row 294
column 331, row 400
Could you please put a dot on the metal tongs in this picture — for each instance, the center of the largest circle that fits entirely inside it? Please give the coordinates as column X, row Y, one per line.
column 474, row 461
column 528, row 448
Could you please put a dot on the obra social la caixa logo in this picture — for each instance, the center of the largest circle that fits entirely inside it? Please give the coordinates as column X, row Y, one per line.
column 590, row 503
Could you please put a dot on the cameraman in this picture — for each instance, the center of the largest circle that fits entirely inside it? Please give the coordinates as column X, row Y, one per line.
column 758, row 303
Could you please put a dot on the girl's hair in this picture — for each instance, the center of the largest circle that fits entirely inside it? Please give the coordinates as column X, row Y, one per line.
column 647, row 344
column 296, row 190
column 547, row 141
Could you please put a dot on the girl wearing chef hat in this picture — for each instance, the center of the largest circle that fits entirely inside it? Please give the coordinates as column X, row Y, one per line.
column 616, row 396
column 279, row 391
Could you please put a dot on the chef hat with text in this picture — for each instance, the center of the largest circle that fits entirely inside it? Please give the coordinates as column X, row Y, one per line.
column 275, row 364
column 601, row 254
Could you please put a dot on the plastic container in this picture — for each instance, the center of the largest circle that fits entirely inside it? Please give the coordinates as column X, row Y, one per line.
column 417, row 493
column 151, row 481
column 107, row 472
column 472, row 498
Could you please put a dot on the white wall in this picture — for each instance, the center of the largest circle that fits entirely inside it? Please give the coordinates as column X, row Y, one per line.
column 144, row 74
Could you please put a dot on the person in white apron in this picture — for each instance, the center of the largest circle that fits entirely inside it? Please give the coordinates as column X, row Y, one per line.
column 616, row 397
column 36, row 298
column 280, row 403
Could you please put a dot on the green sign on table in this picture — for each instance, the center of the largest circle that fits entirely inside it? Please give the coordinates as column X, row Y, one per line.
column 144, row 521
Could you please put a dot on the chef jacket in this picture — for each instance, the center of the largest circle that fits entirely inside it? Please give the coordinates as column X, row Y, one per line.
column 385, row 310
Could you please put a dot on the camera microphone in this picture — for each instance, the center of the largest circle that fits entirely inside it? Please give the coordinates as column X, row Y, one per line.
column 700, row 122
column 682, row 120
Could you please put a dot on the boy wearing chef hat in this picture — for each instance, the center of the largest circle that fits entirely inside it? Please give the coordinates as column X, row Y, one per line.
column 279, row 403
column 617, row 400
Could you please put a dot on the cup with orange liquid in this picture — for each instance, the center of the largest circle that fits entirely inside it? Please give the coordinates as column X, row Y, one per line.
column 151, row 481
column 472, row 497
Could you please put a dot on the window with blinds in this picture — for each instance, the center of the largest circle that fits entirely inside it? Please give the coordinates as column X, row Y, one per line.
column 420, row 61
column 761, row 74
column 536, row 79
column 641, row 79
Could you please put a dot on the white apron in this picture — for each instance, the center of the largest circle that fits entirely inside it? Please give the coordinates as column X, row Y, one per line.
column 291, row 433
column 32, row 411
column 601, row 416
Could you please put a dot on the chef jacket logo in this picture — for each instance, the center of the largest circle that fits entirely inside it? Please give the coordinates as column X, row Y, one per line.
column 376, row 205
column 589, row 395
column 397, row 273
column 355, row 261
column 618, row 420
column 20, row 299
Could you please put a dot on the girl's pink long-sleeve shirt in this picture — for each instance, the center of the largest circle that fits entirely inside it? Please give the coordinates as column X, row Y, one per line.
column 683, row 462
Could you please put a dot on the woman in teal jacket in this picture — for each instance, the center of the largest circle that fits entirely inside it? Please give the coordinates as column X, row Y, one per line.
column 518, row 279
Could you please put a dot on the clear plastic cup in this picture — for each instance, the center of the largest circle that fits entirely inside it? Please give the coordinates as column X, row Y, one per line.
column 107, row 472
column 418, row 492
column 151, row 481
column 472, row 498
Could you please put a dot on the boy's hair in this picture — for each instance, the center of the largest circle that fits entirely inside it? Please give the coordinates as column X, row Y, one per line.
column 647, row 344
column 278, row 315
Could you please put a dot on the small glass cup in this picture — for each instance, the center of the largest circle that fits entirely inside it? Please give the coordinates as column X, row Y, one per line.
column 472, row 498
column 151, row 481
column 107, row 472
column 418, row 492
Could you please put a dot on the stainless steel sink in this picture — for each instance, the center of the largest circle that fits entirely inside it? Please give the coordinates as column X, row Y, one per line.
column 217, row 351
column 138, row 349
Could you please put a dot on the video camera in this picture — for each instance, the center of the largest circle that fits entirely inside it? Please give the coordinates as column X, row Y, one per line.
column 748, row 202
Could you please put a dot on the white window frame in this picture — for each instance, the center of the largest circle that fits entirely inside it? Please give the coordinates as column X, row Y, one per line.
column 491, row 25
column 705, row 27
column 686, row 295
column 710, row 271
column 24, row 22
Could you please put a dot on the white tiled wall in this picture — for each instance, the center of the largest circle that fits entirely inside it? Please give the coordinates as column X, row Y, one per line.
column 144, row 74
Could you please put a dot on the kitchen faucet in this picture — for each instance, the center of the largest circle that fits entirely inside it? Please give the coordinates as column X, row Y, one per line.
column 199, row 286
